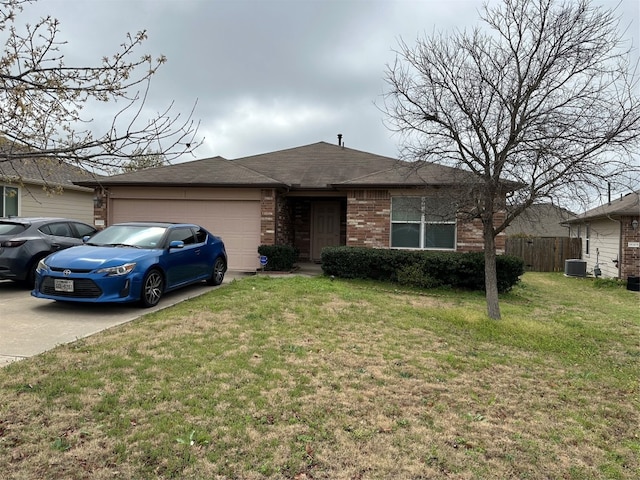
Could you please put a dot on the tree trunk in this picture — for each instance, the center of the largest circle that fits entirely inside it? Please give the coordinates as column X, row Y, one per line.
column 490, row 273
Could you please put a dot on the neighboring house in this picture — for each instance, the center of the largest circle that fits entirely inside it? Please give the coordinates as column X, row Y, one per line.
column 541, row 220
column 611, row 237
column 44, row 188
column 309, row 197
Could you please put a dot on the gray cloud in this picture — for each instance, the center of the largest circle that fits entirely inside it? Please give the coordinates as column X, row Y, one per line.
column 269, row 74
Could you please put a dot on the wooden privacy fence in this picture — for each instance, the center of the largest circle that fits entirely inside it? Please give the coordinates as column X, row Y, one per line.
column 544, row 254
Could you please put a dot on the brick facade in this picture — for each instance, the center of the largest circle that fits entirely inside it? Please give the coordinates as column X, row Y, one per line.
column 630, row 261
column 368, row 218
column 100, row 207
column 469, row 235
column 369, row 224
column 268, row 216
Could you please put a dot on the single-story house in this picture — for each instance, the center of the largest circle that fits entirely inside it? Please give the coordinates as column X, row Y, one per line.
column 611, row 237
column 541, row 220
column 44, row 188
column 309, row 197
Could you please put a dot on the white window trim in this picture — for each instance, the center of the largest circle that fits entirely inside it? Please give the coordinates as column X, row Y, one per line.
column 423, row 224
column 3, row 188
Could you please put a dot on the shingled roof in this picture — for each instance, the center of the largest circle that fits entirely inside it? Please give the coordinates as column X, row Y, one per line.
column 317, row 166
column 215, row 171
column 43, row 172
column 626, row 205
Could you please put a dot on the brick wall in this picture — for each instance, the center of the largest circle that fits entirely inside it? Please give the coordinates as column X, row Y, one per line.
column 470, row 237
column 368, row 218
column 267, row 216
column 369, row 223
column 301, row 218
column 284, row 226
column 100, row 207
column 630, row 261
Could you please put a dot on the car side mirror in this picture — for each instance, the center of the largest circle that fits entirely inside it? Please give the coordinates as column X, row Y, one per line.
column 86, row 238
column 176, row 244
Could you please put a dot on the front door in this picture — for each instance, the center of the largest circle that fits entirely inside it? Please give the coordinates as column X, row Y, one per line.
column 325, row 227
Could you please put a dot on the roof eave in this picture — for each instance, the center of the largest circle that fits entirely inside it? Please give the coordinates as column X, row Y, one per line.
column 182, row 184
column 41, row 183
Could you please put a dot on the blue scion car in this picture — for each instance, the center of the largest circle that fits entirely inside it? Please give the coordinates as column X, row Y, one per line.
column 132, row 262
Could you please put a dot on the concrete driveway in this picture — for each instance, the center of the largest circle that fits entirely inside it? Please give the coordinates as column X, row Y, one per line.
column 29, row 326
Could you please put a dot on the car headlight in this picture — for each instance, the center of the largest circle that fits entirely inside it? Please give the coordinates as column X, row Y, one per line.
column 117, row 271
column 42, row 265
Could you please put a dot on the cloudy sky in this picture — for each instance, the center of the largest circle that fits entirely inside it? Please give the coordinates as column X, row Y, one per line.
column 272, row 74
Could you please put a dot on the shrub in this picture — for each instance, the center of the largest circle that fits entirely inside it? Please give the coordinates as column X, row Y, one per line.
column 280, row 258
column 415, row 276
column 419, row 268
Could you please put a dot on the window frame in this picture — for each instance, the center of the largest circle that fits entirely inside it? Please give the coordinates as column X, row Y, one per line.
column 3, row 203
column 587, row 239
column 423, row 223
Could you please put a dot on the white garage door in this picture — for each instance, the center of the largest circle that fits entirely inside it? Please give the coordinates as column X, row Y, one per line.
column 237, row 222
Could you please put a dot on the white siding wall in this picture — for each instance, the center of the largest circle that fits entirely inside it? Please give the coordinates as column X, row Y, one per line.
column 34, row 202
column 604, row 247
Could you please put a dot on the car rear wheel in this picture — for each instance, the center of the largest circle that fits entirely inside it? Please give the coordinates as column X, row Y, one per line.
column 217, row 275
column 152, row 288
column 30, row 278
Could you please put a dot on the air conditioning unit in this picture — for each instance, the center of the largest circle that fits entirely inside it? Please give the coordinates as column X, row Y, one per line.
column 575, row 268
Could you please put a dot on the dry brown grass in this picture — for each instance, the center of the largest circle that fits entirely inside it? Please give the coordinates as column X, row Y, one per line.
column 311, row 379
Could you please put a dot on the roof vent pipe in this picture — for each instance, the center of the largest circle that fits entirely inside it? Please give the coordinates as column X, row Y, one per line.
column 339, row 139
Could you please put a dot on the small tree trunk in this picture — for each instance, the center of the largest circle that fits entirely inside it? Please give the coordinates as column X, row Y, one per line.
column 490, row 273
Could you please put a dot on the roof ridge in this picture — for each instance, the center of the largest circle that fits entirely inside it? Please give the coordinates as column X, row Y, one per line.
column 259, row 173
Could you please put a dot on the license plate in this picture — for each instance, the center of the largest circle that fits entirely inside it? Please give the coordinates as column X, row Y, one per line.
column 63, row 285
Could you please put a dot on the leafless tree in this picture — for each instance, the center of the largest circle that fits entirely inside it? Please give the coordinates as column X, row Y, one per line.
column 43, row 100
column 143, row 160
column 544, row 93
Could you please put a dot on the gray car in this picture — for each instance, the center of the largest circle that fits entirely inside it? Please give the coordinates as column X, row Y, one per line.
column 25, row 241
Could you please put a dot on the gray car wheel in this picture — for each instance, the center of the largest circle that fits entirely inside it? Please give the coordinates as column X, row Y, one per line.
column 217, row 275
column 152, row 288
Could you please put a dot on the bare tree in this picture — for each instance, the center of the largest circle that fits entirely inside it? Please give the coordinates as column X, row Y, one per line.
column 546, row 96
column 42, row 100
column 143, row 160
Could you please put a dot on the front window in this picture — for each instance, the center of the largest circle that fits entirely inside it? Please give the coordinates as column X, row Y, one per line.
column 587, row 238
column 423, row 222
column 8, row 201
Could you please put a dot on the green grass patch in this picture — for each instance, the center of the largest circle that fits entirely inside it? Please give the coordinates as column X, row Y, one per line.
column 294, row 377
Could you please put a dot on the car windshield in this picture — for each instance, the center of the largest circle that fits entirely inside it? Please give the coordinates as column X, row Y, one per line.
column 7, row 228
column 129, row 236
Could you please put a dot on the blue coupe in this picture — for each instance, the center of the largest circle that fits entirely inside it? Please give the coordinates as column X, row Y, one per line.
column 132, row 262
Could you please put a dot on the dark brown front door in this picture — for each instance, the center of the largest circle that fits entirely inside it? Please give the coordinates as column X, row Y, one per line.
column 325, row 227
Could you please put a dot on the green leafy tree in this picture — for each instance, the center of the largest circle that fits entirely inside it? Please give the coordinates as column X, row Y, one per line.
column 544, row 97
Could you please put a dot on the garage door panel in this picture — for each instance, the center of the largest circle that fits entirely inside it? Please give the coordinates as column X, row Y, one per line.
column 236, row 222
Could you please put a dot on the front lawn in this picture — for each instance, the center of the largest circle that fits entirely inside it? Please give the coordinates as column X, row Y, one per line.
column 309, row 378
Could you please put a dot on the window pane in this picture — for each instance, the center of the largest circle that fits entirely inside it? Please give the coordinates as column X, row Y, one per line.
column 440, row 236
column 405, row 235
column 83, row 229
column 10, row 201
column 406, row 209
column 439, row 210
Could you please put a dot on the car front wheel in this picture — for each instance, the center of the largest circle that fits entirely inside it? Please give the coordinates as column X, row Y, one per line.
column 152, row 289
column 217, row 275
